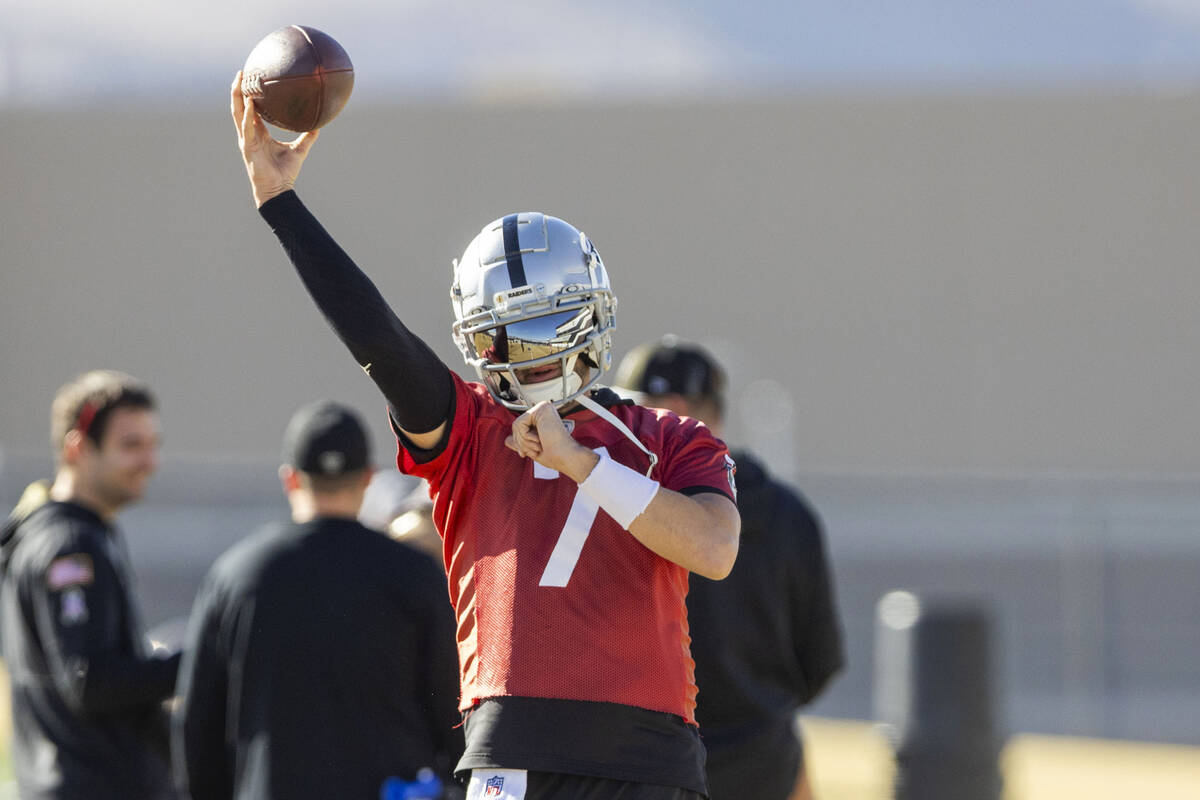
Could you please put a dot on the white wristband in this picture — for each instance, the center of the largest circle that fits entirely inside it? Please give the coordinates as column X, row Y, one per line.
column 622, row 492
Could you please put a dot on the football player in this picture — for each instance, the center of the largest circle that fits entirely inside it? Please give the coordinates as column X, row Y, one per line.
column 570, row 519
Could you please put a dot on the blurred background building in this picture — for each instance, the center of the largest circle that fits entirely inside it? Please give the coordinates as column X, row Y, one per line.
column 948, row 251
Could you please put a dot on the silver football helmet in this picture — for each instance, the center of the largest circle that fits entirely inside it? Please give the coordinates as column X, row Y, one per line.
column 531, row 297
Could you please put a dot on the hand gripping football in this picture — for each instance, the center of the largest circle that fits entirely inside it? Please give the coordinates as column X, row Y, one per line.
column 299, row 77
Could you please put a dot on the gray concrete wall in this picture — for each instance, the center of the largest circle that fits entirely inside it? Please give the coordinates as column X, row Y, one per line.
column 948, row 284
column 943, row 316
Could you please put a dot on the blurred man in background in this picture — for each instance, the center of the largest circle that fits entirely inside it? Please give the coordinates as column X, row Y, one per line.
column 87, row 695
column 766, row 639
column 320, row 657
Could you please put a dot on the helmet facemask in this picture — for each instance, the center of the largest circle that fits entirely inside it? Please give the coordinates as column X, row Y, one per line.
column 559, row 321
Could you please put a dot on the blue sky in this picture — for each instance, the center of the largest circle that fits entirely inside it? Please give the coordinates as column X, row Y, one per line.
column 59, row 52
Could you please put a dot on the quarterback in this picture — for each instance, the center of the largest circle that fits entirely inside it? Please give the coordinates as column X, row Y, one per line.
column 570, row 519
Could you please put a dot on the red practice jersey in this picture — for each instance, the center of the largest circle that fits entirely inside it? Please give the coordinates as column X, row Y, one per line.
column 553, row 598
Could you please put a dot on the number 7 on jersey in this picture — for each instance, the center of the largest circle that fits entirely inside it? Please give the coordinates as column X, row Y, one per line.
column 574, row 533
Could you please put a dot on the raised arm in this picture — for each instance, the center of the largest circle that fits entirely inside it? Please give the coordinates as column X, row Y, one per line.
column 417, row 385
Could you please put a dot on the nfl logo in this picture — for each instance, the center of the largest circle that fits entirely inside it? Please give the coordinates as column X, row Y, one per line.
column 493, row 787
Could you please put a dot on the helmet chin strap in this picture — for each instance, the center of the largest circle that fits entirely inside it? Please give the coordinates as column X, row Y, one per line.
column 553, row 391
column 601, row 411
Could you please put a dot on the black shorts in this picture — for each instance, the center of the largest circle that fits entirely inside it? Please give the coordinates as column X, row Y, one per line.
column 572, row 737
column 564, row 786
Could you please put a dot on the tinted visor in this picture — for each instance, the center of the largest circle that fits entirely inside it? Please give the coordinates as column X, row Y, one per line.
column 531, row 339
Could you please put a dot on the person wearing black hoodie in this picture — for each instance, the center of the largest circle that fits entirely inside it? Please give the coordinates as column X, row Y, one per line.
column 319, row 658
column 87, row 695
column 766, row 639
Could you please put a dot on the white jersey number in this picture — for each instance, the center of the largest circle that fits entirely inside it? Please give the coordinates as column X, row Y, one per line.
column 574, row 533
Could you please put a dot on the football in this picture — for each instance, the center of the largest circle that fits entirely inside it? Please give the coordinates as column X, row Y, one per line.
column 300, row 78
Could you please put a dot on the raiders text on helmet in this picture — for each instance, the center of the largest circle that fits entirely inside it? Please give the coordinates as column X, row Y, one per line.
column 530, row 292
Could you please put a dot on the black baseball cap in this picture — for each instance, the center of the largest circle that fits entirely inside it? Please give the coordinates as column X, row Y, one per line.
column 325, row 438
column 670, row 366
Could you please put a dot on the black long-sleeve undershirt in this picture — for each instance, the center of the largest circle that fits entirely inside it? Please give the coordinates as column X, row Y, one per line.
column 416, row 383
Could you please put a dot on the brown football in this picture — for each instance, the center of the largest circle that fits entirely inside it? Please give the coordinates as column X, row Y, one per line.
column 299, row 77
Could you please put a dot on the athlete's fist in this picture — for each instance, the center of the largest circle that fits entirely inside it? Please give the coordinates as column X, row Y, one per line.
column 525, row 440
column 540, row 434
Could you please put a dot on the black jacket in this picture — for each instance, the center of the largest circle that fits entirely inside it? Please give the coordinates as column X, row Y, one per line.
column 86, row 695
column 319, row 660
column 766, row 640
